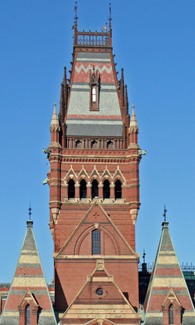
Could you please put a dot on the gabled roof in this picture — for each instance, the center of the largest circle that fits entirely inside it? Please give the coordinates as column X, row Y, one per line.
column 167, row 278
column 28, row 278
column 100, row 299
column 97, row 217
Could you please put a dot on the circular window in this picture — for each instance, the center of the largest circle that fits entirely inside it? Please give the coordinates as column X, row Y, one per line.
column 99, row 291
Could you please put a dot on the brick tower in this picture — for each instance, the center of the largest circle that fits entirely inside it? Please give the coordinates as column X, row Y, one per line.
column 94, row 185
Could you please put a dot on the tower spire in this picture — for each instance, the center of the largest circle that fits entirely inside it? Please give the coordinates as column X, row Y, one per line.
column 75, row 22
column 110, row 18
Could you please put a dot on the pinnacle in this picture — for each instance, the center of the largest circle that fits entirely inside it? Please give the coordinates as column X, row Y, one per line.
column 133, row 122
column 54, row 120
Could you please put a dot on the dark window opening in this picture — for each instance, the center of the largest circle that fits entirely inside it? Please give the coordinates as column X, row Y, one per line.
column 27, row 316
column 171, row 315
column 71, row 189
column 94, row 189
column 100, row 292
column 96, row 242
column 118, row 189
column 106, row 190
column 83, row 189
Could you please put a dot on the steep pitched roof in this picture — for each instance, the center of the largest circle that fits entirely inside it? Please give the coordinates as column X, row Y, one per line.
column 100, row 300
column 107, row 120
column 28, row 281
column 167, row 279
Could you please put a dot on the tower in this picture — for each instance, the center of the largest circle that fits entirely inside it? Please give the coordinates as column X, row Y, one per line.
column 94, row 177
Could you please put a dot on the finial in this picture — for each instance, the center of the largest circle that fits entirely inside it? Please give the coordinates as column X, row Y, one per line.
column 75, row 15
column 29, row 221
column 133, row 106
column 164, row 214
column 110, row 16
column 144, row 254
column 29, row 213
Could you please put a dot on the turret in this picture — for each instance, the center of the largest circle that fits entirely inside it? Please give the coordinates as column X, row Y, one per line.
column 133, row 128
column 54, row 128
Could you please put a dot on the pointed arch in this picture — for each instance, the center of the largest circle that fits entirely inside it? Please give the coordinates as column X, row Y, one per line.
column 83, row 189
column 171, row 314
column 106, row 189
column 27, row 315
column 94, row 189
column 71, row 189
column 96, row 242
column 118, row 189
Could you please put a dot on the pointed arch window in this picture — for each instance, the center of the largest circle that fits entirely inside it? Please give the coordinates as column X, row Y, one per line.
column 118, row 189
column 94, row 189
column 27, row 315
column 106, row 189
column 94, row 90
column 71, row 189
column 171, row 315
column 96, row 242
column 83, row 189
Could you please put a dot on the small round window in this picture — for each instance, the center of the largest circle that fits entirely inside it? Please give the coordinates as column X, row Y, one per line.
column 99, row 291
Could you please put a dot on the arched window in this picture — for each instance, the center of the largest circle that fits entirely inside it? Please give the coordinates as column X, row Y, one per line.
column 94, row 189
column 71, row 189
column 106, row 190
column 83, row 189
column 93, row 91
column 171, row 315
column 96, row 242
column 118, row 189
column 27, row 315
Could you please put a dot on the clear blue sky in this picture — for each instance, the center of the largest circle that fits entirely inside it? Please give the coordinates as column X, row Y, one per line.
column 154, row 43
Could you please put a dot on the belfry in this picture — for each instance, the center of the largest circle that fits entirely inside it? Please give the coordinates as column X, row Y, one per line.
column 94, row 186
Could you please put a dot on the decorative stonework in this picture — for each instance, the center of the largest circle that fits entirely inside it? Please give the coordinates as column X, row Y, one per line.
column 95, row 174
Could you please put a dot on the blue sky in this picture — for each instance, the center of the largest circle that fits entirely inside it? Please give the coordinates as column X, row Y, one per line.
column 154, row 43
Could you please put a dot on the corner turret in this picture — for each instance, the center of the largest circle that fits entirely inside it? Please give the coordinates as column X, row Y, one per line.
column 54, row 128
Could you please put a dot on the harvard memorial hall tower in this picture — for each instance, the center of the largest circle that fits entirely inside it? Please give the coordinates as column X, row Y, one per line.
column 94, row 189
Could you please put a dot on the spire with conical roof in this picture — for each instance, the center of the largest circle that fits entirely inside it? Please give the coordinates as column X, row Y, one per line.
column 54, row 120
column 167, row 287
column 54, row 128
column 28, row 287
column 133, row 122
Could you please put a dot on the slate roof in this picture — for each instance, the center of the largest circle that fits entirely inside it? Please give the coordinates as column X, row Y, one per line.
column 28, row 279
column 107, row 121
column 167, row 278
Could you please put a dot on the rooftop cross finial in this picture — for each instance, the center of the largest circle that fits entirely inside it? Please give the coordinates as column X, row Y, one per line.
column 75, row 16
column 164, row 214
column 144, row 254
column 30, row 213
column 110, row 16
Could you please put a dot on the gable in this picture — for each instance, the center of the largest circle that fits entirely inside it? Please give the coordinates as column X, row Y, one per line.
column 113, row 243
column 100, row 297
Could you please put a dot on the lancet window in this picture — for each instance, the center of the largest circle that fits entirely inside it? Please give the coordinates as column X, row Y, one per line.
column 94, row 189
column 118, row 189
column 171, row 315
column 96, row 242
column 71, row 189
column 27, row 315
column 83, row 189
column 106, row 189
